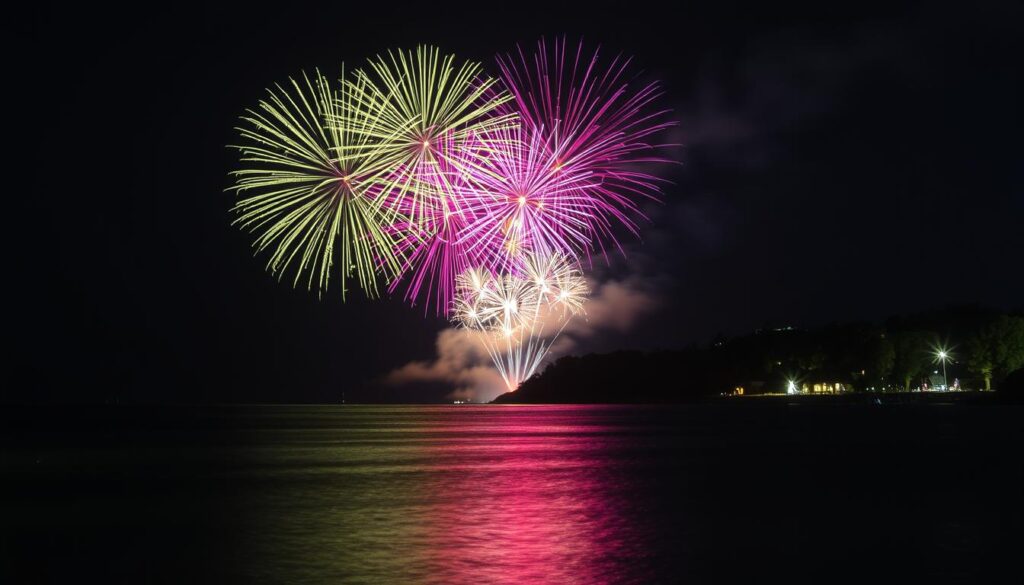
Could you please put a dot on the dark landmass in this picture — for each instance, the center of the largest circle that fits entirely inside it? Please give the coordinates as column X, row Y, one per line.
column 986, row 352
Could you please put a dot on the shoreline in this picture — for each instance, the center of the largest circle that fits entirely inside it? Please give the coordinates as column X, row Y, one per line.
column 851, row 398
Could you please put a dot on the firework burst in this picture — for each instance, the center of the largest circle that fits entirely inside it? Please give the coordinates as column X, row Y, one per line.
column 521, row 198
column 511, row 313
column 306, row 205
column 558, row 280
column 408, row 104
column 598, row 120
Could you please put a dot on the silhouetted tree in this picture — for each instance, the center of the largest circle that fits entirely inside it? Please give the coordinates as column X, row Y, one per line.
column 910, row 359
column 881, row 358
column 997, row 349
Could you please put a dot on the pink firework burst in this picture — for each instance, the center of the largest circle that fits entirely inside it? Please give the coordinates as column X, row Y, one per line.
column 522, row 200
column 601, row 123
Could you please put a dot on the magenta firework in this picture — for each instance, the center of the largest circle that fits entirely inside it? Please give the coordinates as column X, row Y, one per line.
column 599, row 122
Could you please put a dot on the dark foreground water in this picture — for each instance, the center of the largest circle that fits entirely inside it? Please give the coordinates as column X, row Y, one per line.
column 512, row 494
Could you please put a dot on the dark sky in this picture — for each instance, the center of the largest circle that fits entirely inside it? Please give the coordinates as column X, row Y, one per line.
column 838, row 164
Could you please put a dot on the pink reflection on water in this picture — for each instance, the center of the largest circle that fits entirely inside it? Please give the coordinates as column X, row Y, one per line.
column 528, row 496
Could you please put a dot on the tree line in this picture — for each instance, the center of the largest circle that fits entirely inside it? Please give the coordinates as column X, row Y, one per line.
column 983, row 346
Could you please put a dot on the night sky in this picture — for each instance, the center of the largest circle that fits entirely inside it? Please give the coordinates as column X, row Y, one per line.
column 835, row 165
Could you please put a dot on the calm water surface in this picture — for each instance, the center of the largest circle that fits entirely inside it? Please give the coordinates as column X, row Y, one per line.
column 512, row 494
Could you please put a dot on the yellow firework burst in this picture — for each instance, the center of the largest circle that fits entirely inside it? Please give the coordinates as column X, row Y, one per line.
column 410, row 107
column 308, row 205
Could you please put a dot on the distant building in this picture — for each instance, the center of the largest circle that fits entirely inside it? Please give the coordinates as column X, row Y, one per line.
column 791, row 387
column 748, row 388
column 824, row 387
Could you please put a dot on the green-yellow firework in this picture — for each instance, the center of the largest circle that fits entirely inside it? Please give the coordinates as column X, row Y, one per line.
column 306, row 204
column 410, row 103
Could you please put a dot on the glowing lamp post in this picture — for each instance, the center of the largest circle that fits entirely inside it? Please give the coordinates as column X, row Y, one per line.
column 942, row 356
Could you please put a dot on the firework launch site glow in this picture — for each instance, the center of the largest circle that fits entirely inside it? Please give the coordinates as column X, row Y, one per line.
column 479, row 197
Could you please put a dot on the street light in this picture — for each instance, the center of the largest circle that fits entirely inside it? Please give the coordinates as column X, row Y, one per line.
column 942, row 355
